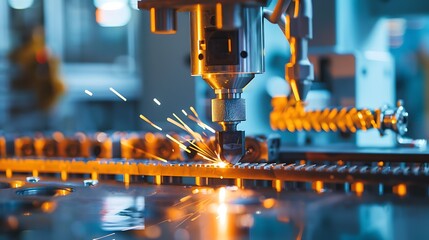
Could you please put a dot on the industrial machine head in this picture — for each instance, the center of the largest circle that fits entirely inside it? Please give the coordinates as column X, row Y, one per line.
column 227, row 50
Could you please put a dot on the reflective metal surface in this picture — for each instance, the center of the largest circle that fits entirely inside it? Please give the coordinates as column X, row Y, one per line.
column 299, row 30
column 246, row 44
column 242, row 174
column 163, row 21
column 140, row 211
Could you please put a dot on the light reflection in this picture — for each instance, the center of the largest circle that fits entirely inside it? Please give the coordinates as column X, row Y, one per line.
column 222, row 216
column 89, row 93
column 113, row 17
column 101, row 137
column 48, row 207
column 222, row 164
column 400, row 189
column 157, row 101
column 20, row 4
column 120, row 213
column 16, row 184
column 269, row 203
column 358, row 187
column 112, row 89
column 109, row 4
column 222, row 195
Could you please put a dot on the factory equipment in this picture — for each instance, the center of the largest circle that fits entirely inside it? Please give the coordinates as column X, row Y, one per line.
column 227, row 50
column 177, row 185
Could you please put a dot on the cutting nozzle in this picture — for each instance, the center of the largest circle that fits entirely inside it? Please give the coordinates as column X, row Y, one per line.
column 300, row 89
column 231, row 145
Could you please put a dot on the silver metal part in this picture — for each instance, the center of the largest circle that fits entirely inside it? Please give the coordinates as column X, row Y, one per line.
column 90, row 182
column 238, row 51
column 413, row 143
column 262, row 148
column 227, row 47
column 227, row 51
column 228, row 110
column 231, row 145
column 299, row 71
column 227, row 59
column 277, row 15
column 32, row 179
column 228, row 16
column 163, row 20
column 395, row 119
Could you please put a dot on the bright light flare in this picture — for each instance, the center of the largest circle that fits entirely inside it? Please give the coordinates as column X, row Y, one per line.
column 181, row 145
column 222, row 194
column 88, row 92
column 222, row 214
column 194, row 111
column 197, row 119
column 150, row 122
column 157, row 101
column 200, row 123
column 197, row 143
column 20, row 4
column 105, row 236
column 172, row 121
column 113, row 15
column 222, row 164
column 186, row 198
column 117, row 94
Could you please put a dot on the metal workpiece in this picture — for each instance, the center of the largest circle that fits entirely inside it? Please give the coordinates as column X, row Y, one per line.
column 299, row 70
column 231, row 145
column 144, row 145
column 150, row 146
column 70, row 146
column 24, row 146
column 262, row 148
column 163, row 20
column 322, row 171
column 290, row 117
column 395, row 119
column 103, row 209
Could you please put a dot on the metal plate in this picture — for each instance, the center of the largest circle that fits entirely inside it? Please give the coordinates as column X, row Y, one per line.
column 111, row 210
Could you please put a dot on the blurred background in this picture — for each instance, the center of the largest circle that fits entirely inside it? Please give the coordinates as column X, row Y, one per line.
column 59, row 59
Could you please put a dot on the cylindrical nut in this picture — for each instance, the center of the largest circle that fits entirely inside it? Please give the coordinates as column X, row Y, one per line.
column 228, row 110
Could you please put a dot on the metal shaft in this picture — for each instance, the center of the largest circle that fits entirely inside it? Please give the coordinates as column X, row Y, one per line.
column 299, row 71
column 295, row 118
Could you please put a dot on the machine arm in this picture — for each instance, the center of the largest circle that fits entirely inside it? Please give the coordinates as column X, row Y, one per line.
column 227, row 50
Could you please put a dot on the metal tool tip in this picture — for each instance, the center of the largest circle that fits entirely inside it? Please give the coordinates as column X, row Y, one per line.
column 232, row 158
column 231, row 145
column 300, row 89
